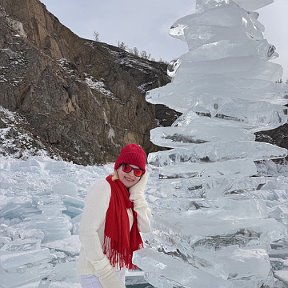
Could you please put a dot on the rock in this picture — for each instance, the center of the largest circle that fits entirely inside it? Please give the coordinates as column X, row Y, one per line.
column 83, row 99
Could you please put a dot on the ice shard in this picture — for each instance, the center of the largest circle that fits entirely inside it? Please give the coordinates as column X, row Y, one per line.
column 218, row 218
column 40, row 205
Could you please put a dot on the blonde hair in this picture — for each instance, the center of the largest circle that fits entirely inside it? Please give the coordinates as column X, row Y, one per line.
column 114, row 175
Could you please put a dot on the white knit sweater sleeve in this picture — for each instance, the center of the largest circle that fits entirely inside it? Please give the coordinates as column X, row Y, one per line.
column 140, row 204
column 93, row 217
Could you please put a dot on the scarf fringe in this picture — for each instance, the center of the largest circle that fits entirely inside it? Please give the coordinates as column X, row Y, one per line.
column 120, row 259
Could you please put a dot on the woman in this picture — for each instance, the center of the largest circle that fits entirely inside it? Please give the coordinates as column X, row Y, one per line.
column 114, row 214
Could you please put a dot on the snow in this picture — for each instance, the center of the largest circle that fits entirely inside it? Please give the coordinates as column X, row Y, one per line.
column 98, row 85
column 41, row 201
column 18, row 27
column 43, row 186
column 219, row 202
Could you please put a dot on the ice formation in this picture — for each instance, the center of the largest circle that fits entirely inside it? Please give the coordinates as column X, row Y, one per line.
column 40, row 205
column 38, row 208
column 218, row 219
column 41, row 201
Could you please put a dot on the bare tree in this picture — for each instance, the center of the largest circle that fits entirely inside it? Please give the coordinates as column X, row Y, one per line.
column 144, row 55
column 96, row 37
column 135, row 51
column 122, row 45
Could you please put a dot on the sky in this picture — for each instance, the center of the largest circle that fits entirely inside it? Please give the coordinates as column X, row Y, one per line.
column 146, row 26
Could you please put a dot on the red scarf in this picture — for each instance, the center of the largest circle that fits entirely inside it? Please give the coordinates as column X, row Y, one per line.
column 119, row 242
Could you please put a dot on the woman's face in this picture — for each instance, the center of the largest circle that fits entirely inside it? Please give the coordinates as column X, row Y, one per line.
column 128, row 179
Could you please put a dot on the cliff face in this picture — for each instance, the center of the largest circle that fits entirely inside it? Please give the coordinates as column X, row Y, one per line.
column 81, row 99
column 75, row 98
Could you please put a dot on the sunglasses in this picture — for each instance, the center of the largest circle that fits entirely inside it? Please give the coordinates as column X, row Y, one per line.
column 127, row 169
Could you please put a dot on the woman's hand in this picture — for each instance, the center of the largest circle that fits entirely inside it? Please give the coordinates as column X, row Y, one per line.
column 140, row 205
column 137, row 191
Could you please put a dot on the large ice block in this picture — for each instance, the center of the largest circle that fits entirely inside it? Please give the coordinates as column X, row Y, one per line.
column 216, row 206
column 246, row 4
column 23, row 267
column 164, row 271
column 215, row 151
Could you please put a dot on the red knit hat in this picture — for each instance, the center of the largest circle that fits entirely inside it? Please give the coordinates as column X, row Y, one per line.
column 132, row 154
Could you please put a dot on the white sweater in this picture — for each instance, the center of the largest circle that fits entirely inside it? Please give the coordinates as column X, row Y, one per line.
column 92, row 261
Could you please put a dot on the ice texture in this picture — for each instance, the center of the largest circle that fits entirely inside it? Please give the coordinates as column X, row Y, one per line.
column 41, row 201
column 246, row 4
column 40, row 208
column 27, row 260
column 219, row 210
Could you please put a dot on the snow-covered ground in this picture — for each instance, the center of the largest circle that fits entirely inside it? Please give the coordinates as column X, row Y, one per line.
column 41, row 201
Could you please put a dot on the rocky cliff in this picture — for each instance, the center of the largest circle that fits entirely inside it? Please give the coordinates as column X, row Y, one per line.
column 80, row 99
column 72, row 97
